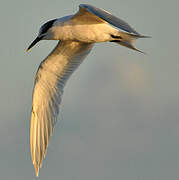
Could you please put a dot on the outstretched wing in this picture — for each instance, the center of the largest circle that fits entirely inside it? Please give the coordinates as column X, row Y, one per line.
column 50, row 79
column 103, row 16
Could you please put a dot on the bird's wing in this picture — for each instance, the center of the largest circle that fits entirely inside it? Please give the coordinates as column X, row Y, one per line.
column 86, row 11
column 49, row 82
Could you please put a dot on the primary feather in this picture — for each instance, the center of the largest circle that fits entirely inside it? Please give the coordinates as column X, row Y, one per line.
column 49, row 82
column 108, row 17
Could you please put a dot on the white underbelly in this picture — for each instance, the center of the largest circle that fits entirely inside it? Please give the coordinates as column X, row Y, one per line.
column 86, row 33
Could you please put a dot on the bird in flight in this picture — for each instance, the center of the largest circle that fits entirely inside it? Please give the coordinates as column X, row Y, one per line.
column 77, row 35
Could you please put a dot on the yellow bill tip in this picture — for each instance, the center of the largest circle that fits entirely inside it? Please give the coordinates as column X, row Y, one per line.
column 27, row 50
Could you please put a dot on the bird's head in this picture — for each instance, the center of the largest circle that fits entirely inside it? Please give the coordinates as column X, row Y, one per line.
column 45, row 33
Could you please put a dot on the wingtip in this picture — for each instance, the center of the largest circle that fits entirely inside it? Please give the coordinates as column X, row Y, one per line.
column 142, row 36
column 36, row 167
column 139, row 36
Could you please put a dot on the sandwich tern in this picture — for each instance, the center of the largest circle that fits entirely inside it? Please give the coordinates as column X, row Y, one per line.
column 77, row 34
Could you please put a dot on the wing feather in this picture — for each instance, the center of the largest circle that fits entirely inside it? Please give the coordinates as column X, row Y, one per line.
column 48, row 89
column 105, row 17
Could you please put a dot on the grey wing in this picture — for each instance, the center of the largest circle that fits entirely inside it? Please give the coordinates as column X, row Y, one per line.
column 49, row 82
column 111, row 19
column 45, row 108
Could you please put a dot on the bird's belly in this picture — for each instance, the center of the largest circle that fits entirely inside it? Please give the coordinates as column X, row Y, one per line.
column 87, row 33
column 93, row 33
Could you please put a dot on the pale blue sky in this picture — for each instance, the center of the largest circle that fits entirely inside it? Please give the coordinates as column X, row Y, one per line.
column 119, row 116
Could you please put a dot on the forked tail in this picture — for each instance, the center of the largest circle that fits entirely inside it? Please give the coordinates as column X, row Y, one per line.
column 128, row 40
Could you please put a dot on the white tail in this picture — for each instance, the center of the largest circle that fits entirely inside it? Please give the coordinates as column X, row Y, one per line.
column 128, row 40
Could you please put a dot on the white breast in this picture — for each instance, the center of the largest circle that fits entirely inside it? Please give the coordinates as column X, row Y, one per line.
column 68, row 29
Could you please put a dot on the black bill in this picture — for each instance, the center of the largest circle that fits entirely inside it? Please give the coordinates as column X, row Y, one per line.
column 34, row 42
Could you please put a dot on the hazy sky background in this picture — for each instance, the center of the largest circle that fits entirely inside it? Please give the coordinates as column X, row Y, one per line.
column 120, row 111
